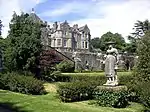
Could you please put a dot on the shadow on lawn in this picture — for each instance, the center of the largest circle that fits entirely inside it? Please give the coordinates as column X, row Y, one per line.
column 10, row 107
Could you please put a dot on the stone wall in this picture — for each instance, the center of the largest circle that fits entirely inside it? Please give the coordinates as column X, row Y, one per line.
column 95, row 60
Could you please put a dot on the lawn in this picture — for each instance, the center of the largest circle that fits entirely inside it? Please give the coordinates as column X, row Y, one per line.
column 17, row 102
column 50, row 103
column 97, row 73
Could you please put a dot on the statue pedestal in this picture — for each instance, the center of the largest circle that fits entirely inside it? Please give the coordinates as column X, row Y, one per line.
column 112, row 88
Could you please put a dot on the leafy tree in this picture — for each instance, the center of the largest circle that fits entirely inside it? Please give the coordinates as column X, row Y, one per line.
column 95, row 42
column 131, row 46
column 117, row 38
column 140, row 28
column 143, row 51
column 25, row 45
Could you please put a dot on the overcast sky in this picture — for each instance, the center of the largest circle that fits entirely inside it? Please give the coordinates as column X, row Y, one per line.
column 117, row 16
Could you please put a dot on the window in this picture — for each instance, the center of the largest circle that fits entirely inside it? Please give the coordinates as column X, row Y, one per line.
column 65, row 43
column 58, row 42
column 82, row 44
column 86, row 45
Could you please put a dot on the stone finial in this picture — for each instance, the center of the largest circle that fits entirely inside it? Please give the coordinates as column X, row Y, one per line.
column 32, row 11
column 58, row 28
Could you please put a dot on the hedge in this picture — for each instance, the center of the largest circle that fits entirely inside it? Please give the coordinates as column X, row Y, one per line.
column 81, row 87
column 65, row 66
column 76, row 91
column 20, row 83
column 116, row 99
column 98, row 79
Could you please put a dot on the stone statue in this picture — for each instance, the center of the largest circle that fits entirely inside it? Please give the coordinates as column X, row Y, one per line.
column 77, row 61
column 111, row 66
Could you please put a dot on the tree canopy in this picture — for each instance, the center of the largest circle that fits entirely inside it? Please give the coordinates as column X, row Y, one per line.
column 101, row 42
column 140, row 29
column 24, row 42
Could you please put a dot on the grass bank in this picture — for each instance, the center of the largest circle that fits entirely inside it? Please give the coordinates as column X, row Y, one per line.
column 50, row 103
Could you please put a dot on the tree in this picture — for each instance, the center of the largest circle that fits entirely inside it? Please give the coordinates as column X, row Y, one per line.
column 140, row 28
column 95, row 42
column 117, row 38
column 131, row 46
column 25, row 44
column 143, row 51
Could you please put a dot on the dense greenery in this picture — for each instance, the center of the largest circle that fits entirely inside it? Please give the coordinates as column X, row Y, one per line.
column 24, row 43
column 117, row 99
column 140, row 29
column 65, row 66
column 141, row 81
column 143, row 50
column 76, row 91
column 20, row 83
column 101, row 42
column 95, row 78
column 82, row 86
column 48, row 60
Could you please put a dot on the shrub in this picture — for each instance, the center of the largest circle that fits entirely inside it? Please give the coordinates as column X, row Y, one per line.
column 141, row 82
column 143, row 65
column 141, row 88
column 21, row 83
column 76, row 91
column 52, row 76
column 98, row 80
column 65, row 66
column 111, row 98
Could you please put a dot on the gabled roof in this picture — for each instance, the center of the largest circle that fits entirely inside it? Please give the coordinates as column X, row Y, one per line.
column 35, row 17
column 83, row 28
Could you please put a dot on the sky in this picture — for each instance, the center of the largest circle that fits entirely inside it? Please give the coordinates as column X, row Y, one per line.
column 101, row 16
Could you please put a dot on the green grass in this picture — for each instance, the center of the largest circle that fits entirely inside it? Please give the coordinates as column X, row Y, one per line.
column 50, row 103
column 97, row 73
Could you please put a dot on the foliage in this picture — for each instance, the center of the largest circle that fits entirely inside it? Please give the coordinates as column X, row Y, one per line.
column 142, row 91
column 101, row 42
column 47, row 60
column 96, row 79
column 81, row 87
column 132, row 45
column 25, row 43
column 141, row 27
column 20, row 83
column 95, row 42
column 65, row 66
column 111, row 98
column 141, row 82
column 52, row 76
column 143, row 64
column 76, row 91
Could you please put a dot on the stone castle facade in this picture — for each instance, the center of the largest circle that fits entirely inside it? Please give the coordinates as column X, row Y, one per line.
column 65, row 38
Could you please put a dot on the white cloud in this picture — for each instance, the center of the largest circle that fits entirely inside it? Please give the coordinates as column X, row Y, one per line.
column 115, row 17
column 103, row 16
column 8, row 6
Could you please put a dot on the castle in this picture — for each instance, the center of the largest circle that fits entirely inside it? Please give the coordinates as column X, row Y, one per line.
column 67, row 40
column 63, row 37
